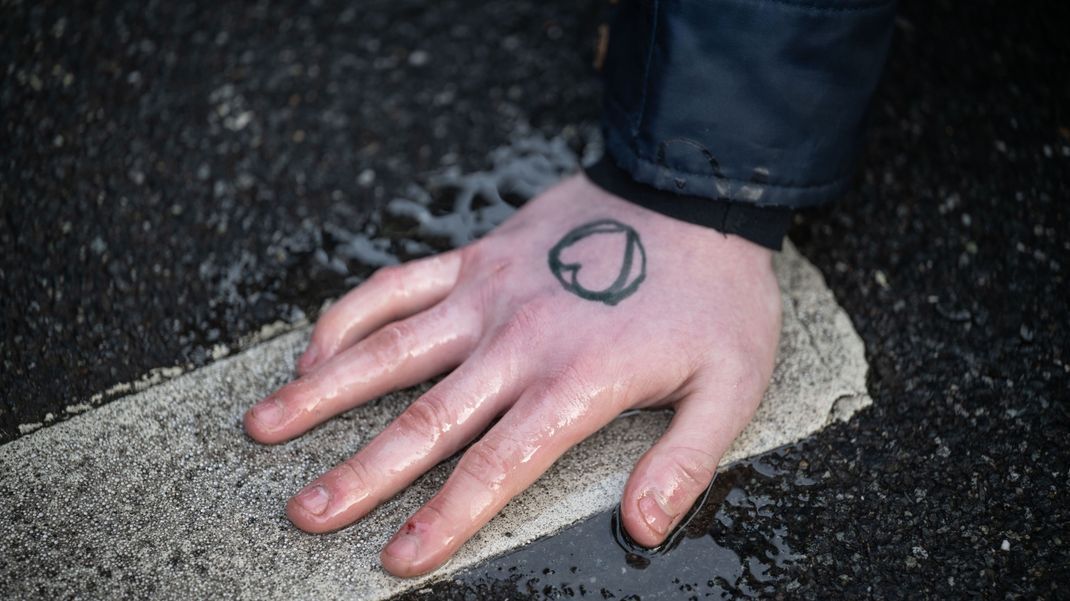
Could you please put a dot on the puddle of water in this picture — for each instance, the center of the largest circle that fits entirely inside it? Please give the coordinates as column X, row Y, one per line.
column 735, row 543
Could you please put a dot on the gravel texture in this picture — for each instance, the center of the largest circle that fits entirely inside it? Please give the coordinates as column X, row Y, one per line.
column 160, row 493
column 950, row 256
column 173, row 174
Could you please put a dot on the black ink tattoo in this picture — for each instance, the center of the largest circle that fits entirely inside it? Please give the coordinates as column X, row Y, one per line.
column 626, row 283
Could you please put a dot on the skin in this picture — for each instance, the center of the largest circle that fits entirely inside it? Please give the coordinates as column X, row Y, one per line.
column 698, row 334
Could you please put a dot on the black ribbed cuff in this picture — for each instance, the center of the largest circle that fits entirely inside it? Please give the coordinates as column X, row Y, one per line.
column 765, row 226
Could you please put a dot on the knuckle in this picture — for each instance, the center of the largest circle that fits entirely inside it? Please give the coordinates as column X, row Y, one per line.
column 692, row 467
column 567, row 391
column 485, row 464
column 569, row 384
column 363, row 477
column 387, row 345
column 524, row 326
column 426, row 416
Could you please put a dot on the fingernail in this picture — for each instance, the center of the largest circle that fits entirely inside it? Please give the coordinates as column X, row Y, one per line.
column 268, row 413
column 308, row 359
column 404, row 548
column 656, row 518
column 313, row 499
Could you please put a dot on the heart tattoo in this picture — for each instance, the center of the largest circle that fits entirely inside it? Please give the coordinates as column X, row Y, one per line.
column 632, row 270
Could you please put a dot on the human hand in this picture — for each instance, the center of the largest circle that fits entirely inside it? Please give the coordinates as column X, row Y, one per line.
column 577, row 308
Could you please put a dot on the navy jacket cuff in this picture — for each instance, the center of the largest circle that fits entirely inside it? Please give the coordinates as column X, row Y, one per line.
column 752, row 101
column 765, row 226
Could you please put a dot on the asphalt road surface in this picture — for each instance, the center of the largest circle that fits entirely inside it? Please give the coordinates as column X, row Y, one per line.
column 173, row 176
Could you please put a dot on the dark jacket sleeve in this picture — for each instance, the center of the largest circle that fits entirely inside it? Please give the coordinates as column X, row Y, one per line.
column 751, row 103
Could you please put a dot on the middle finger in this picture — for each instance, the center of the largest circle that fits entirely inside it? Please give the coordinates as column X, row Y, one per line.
column 546, row 421
column 434, row 427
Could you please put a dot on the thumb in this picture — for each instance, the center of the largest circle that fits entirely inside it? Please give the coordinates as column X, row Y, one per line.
column 680, row 466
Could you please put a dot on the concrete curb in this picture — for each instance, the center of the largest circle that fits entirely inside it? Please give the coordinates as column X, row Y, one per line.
column 160, row 493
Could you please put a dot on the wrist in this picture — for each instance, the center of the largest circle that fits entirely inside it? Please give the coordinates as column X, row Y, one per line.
column 763, row 226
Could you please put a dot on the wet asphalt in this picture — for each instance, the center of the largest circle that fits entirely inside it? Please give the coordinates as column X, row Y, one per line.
column 169, row 167
column 169, row 170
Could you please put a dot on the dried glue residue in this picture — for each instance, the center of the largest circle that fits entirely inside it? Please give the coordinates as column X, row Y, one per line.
column 454, row 208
